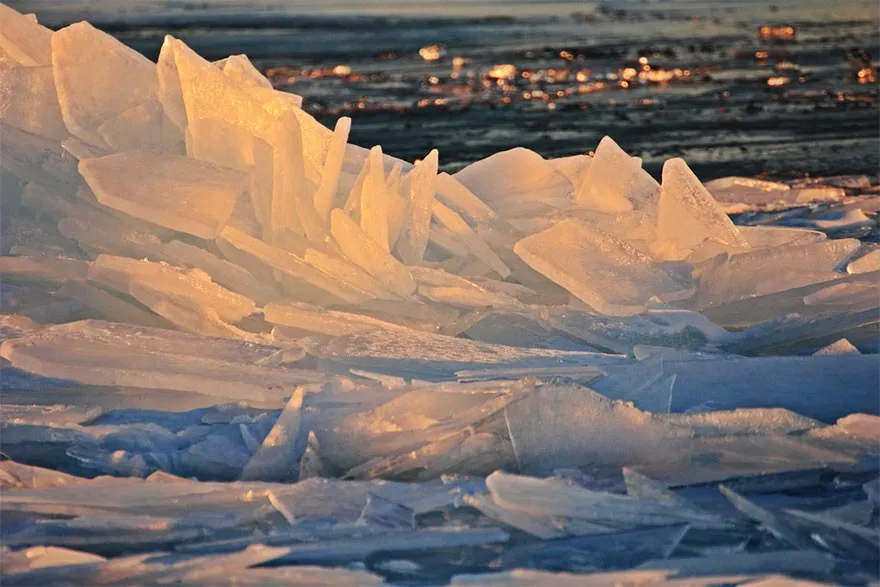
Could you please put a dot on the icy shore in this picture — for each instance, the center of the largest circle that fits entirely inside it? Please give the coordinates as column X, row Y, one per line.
column 237, row 349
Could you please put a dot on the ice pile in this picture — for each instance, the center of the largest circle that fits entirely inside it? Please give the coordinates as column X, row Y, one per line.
column 237, row 348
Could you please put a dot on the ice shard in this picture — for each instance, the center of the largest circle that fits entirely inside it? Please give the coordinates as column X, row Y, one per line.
column 97, row 77
column 614, row 182
column 568, row 426
column 172, row 191
column 369, row 254
column 688, row 215
column 277, row 459
column 28, row 101
column 422, row 181
column 103, row 353
column 25, row 41
column 517, row 182
column 603, row 272
column 325, row 194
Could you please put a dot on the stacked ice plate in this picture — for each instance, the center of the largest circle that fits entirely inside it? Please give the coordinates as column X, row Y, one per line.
column 238, row 349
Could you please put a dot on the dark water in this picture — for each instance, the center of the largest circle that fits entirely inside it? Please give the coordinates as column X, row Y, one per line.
column 707, row 88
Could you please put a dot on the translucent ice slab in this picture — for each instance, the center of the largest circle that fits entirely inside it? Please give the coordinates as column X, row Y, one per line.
column 600, row 270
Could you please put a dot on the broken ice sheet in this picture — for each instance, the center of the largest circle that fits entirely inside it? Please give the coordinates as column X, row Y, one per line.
column 314, row 319
column 556, row 497
column 277, row 459
column 413, row 420
column 104, row 353
column 369, row 254
column 28, row 101
column 97, row 78
column 325, row 194
column 516, row 182
column 669, row 328
column 437, row 357
column 768, row 271
column 607, row 274
column 688, row 214
column 24, row 40
column 866, row 263
column 414, row 236
column 183, row 194
column 567, row 426
column 614, row 182
column 459, row 230
column 143, row 126
column 192, row 289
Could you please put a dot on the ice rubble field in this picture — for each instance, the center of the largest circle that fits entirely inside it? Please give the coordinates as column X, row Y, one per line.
column 239, row 350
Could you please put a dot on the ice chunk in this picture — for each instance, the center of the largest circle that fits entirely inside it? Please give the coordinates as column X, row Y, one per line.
column 103, row 353
column 473, row 242
column 439, row 357
column 455, row 195
column 442, row 287
column 568, row 426
column 865, row 263
column 773, row 270
column 325, row 194
column 422, row 182
column 370, row 255
column 374, row 201
column 176, row 192
column 278, row 457
column 554, row 497
column 573, row 167
column 111, row 307
column 318, row 320
column 669, row 328
column 615, row 182
column 240, row 69
column 518, row 181
column 169, row 91
column 543, row 527
column 97, row 77
column 24, row 40
column 306, row 276
column 40, row 557
column 838, row 347
column 28, row 101
column 767, row 237
column 743, row 421
column 688, row 215
column 299, row 143
column 735, row 183
column 222, row 272
column 229, row 145
column 190, row 289
column 143, row 126
column 751, row 311
column 600, row 270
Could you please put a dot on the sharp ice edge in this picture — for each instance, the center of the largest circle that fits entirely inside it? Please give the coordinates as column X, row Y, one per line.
column 230, row 339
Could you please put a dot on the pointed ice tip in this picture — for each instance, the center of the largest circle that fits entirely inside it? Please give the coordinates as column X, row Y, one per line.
column 676, row 165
